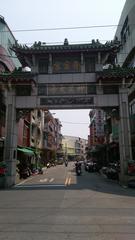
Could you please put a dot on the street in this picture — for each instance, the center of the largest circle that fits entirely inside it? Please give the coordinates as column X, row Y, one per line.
column 60, row 205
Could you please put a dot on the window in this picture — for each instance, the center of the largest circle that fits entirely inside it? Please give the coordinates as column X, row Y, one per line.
column 90, row 64
column 125, row 31
column 110, row 89
column 43, row 65
column 91, row 89
column 23, row 90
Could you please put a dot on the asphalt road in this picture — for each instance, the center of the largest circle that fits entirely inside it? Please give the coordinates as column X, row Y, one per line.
column 58, row 205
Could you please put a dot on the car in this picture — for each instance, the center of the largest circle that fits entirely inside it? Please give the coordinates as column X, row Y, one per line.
column 60, row 161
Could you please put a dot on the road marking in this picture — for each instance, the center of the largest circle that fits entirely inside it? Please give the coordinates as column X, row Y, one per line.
column 66, row 182
column 69, row 181
column 43, row 180
column 51, row 180
column 28, row 179
column 39, row 185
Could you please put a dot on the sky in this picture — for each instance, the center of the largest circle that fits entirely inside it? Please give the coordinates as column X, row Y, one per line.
column 30, row 16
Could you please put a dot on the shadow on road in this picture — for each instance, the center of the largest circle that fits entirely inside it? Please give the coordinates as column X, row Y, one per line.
column 87, row 181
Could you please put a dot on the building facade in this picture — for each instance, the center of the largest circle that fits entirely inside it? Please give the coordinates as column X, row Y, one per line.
column 8, row 62
column 52, row 137
column 96, row 127
column 74, row 147
column 126, row 56
column 8, row 59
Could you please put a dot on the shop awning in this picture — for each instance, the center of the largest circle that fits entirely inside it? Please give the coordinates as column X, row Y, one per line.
column 26, row 151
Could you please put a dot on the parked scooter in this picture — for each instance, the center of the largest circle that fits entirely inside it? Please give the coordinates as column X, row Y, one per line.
column 48, row 165
column 112, row 171
column 40, row 170
column 24, row 173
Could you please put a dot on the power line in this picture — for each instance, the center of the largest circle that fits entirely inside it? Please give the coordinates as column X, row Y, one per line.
column 64, row 28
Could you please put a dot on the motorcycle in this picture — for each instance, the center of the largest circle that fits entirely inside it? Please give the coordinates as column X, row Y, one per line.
column 78, row 169
column 48, row 165
column 112, row 171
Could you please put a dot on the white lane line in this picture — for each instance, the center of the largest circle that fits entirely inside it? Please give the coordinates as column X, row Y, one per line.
column 41, row 185
column 66, row 181
column 24, row 181
column 69, row 181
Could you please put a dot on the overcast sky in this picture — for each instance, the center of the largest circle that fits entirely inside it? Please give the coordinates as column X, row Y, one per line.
column 48, row 14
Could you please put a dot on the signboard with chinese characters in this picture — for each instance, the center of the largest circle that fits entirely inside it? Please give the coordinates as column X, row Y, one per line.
column 67, row 101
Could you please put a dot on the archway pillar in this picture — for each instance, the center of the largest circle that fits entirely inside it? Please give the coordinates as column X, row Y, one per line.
column 10, row 149
column 124, row 135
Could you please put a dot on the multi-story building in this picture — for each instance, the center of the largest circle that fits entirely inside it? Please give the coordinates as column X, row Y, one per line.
column 125, row 34
column 37, row 125
column 74, row 146
column 126, row 56
column 92, row 129
column 8, row 62
column 31, row 131
column 8, row 59
column 96, row 127
column 39, row 137
column 59, row 137
column 52, row 137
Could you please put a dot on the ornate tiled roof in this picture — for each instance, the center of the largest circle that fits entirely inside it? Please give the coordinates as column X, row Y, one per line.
column 116, row 72
column 17, row 76
column 95, row 45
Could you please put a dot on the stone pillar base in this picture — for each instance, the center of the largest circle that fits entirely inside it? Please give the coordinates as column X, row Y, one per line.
column 124, row 179
column 2, row 182
column 9, row 181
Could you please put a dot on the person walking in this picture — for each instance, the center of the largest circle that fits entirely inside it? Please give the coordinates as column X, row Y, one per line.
column 66, row 163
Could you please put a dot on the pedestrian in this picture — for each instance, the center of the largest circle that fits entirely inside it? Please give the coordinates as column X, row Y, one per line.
column 66, row 163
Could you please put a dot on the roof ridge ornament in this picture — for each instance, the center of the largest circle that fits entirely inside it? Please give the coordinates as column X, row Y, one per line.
column 66, row 42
